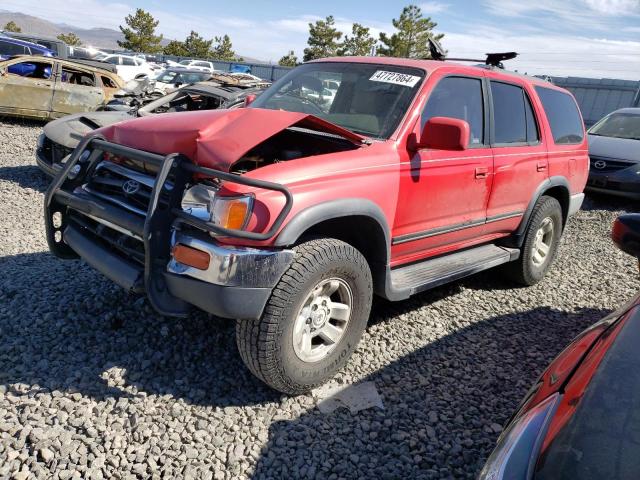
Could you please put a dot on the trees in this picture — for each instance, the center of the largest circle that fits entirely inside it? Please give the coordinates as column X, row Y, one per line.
column 197, row 46
column 70, row 39
column 223, row 49
column 139, row 34
column 12, row 27
column 175, row 47
column 323, row 39
column 289, row 60
column 410, row 40
column 359, row 44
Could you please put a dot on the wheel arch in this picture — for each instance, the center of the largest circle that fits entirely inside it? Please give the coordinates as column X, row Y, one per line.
column 556, row 187
column 356, row 221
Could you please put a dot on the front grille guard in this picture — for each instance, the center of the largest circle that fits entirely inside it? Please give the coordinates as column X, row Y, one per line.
column 163, row 210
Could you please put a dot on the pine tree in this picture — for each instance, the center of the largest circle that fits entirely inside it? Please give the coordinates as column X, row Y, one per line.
column 197, row 46
column 139, row 34
column 413, row 32
column 11, row 26
column 289, row 60
column 359, row 44
column 70, row 39
column 223, row 49
column 175, row 47
column 323, row 39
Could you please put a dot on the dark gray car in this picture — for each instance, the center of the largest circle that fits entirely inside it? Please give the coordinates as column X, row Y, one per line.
column 614, row 151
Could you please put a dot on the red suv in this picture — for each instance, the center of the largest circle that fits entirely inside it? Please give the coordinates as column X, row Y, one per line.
column 348, row 177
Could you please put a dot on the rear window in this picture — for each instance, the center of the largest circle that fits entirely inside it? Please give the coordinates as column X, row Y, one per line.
column 514, row 120
column 563, row 114
column 7, row 48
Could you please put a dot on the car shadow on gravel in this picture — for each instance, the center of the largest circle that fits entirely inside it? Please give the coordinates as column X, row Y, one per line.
column 610, row 203
column 26, row 176
column 443, row 404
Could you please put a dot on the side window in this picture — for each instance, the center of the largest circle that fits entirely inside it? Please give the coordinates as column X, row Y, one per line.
column 533, row 134
column 563, row 115
column 10, row 49
column 128, row 61
column 36, row 70
column 458, row 97
column 78, row 77
column 112, row 60
column 108, row 83
column 509, row 113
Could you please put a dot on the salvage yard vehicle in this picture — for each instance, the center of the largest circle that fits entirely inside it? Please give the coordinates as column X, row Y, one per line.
column 578, row 419
column 173, row 78
column 128, row 66
column 289, row 215
column 614, row 150
column 47, row 87
column 201, row 65
column 10, row 47
column 61, row 136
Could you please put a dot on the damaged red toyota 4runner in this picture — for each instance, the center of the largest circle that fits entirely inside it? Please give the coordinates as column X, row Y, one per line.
column 348, row 177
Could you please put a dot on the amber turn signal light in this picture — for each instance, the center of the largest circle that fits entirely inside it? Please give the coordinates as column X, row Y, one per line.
column 191, row 256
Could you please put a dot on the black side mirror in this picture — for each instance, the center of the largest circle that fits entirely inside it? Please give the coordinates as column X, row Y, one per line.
column 626, row 233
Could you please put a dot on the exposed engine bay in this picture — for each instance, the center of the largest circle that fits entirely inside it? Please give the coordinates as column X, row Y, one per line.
column 291, row 144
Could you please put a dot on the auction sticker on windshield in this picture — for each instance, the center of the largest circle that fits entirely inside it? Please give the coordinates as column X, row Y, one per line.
column 395, row 78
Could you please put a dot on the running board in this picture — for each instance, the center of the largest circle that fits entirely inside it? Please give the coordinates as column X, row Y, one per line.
column 406, row 281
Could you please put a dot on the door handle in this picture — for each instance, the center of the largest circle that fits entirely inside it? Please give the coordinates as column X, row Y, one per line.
column 482, row 172
column 541, row 166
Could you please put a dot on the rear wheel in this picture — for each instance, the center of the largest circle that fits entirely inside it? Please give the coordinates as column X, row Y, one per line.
column 313, row 320
column 540, row 244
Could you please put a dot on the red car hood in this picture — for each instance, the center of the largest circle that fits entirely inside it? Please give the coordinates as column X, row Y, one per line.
column 214, row 138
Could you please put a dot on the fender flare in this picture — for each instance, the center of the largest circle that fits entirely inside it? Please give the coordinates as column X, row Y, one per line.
column 344, row 207
column 551, row 182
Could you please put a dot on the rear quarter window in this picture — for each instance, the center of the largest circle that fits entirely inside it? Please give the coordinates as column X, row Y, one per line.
column 563, row 115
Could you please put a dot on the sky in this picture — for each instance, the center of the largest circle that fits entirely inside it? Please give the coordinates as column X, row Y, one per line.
column 587, row 38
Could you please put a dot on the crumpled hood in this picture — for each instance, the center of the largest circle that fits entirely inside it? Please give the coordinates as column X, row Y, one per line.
column 69, row 130
column 614, row 148
column 214, row 138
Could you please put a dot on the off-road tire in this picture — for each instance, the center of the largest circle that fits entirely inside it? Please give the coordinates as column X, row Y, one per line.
column 266, row 344
column 524, row 271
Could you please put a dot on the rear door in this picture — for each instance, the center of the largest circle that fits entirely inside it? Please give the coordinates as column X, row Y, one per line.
column 76, row 90
column 519, row 153
column 26, row 88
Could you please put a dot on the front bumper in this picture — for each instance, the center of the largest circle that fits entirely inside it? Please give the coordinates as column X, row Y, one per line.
column 624, row 182
column 135, row 250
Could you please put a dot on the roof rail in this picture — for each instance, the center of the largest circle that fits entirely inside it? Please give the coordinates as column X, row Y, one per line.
column 492, row 59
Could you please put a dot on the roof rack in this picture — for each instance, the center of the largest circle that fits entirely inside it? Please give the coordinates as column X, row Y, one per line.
column 492, row 59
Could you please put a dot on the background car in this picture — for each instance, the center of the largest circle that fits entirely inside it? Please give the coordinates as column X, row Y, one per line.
column 48, row 87
column 172, row 78
column 58, row 47
column 614, row 151
column 198, row 65
column 10, row 47
column 580, row 420
column 128, row 67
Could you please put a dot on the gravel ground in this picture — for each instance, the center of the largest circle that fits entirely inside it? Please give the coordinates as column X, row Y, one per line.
column 81, row 396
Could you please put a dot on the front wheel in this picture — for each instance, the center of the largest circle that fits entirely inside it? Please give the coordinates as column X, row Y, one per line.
column 313, row 320
column 540, row 243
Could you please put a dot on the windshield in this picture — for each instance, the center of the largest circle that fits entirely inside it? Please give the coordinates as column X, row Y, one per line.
column 166, row 77
column 365, row 98
column 185, row 62
column 618, row 125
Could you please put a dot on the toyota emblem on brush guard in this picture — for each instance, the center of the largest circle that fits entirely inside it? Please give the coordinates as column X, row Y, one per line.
column 600, row 164
column 130, row 187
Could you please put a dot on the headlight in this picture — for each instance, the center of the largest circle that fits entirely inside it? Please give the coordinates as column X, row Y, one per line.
column 202, row 202
column 519, row 445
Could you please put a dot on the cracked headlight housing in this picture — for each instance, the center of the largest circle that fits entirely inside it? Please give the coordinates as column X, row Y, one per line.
column 203, row 202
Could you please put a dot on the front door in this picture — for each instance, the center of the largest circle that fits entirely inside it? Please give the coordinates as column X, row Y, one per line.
column 444, row 194
column 26, row 88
